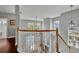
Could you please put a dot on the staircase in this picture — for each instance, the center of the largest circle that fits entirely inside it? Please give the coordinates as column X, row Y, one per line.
column 58, row 45
column 70, row 49
column 57, row 49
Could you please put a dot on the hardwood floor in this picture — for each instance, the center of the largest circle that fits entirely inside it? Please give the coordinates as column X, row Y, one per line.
column 7, row 45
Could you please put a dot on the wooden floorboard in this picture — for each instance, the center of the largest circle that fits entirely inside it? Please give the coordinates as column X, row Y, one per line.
column 7, row 45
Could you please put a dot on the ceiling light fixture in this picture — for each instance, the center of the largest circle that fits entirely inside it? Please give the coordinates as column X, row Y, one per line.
column 71, row 24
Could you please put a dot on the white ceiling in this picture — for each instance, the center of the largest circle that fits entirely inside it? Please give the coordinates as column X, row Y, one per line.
column 41, row 11
column 7, row 8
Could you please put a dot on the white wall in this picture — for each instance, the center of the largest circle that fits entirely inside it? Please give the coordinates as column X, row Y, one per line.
column 8, row 16
column 65, row 19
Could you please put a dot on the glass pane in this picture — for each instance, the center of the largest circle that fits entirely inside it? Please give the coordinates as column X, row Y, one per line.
column 56, row 24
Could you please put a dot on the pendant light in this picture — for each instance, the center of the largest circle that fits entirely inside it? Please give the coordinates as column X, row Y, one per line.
column 71, row 24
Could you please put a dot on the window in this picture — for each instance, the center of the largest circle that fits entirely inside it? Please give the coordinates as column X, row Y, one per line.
column 34, row 26
column 56, row 24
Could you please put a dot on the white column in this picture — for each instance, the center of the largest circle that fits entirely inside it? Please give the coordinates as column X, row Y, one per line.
column 17, row 16
column 51, row 26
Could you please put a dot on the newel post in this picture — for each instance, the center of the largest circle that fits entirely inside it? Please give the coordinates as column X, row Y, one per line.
column 57, row 47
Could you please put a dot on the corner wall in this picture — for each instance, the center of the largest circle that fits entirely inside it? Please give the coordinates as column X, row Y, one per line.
column 65, row 19
column 9, row 16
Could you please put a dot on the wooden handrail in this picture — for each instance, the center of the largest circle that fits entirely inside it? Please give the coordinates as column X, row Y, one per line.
column 63, row 41
column 57, row 35
column 23, row 30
